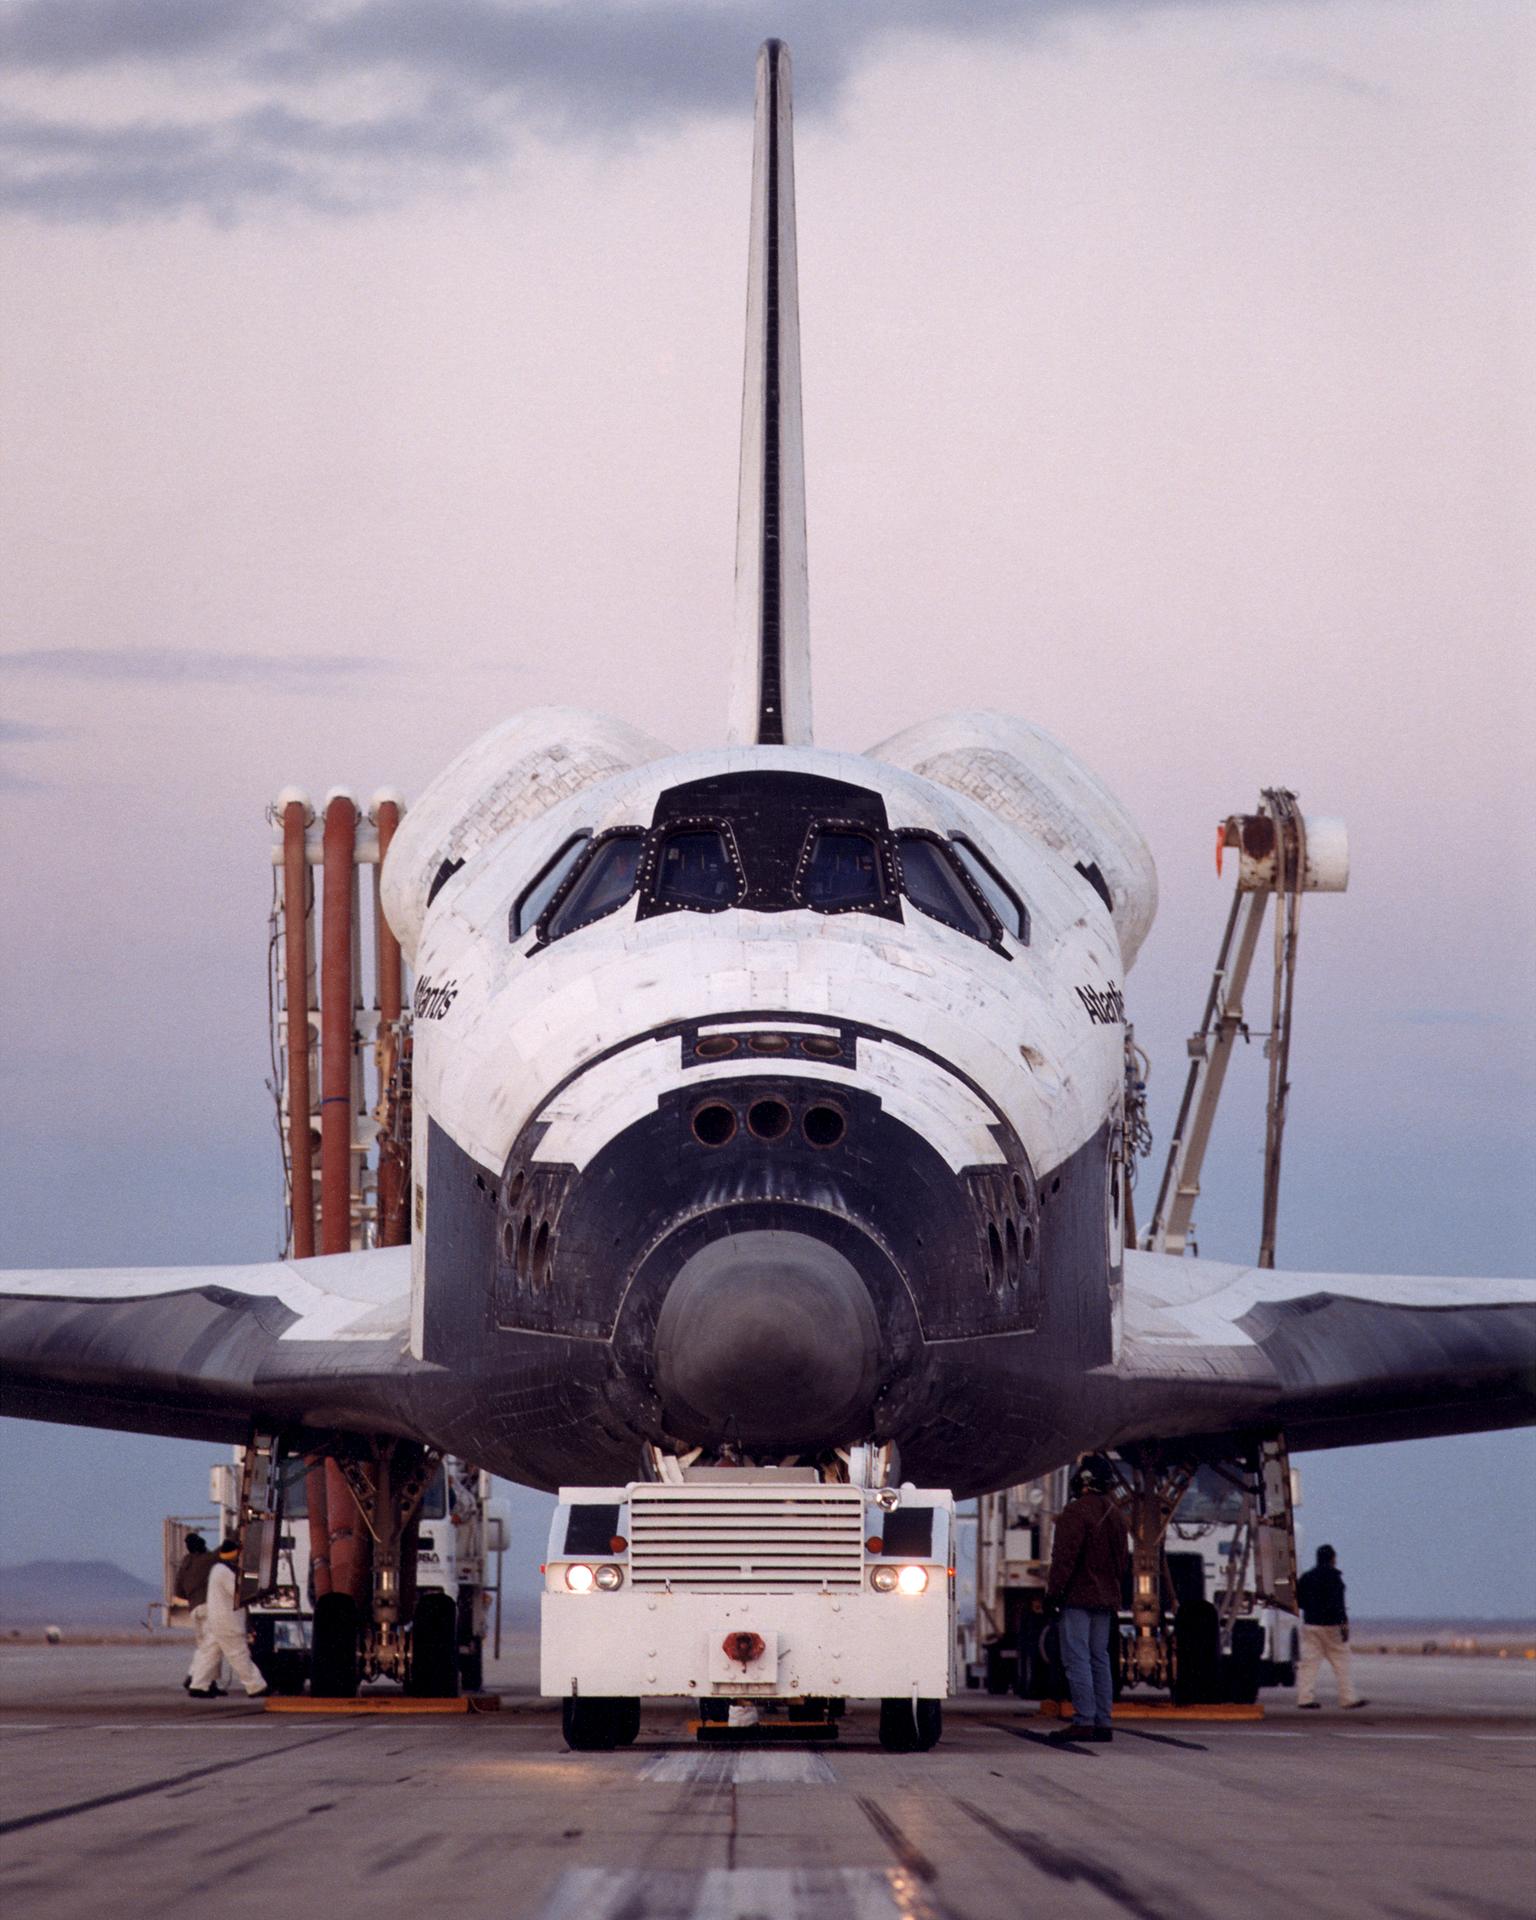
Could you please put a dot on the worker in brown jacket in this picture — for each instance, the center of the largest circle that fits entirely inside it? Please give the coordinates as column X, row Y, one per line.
column 1089, row 1555
column 192, row 1586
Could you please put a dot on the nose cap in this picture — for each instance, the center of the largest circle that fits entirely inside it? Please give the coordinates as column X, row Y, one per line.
column 768, row 1338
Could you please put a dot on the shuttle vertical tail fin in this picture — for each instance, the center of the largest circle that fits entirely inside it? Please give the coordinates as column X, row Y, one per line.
column 771, row 679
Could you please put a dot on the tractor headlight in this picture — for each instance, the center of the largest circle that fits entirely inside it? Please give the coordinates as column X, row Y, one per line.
column 610, row 1579
column 912, row 1580
column 883, row 1579
column 579, row 1578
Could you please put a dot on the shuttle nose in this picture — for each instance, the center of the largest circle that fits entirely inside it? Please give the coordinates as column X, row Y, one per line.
column 768, row 1337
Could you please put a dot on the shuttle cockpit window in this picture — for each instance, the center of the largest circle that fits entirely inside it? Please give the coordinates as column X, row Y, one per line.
column 1001, row 898
column 697, row 868
column 840, row 871
column 937, row 886
column 600, row 884
column 536, row 896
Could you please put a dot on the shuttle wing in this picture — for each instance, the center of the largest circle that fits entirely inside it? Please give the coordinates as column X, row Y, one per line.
column 205, row 1352
column 1333, row 1359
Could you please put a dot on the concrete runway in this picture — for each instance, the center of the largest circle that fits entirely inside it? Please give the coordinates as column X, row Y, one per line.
column 118, row 1796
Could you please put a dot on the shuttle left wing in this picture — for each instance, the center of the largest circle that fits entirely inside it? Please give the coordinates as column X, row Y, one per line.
column 206, row 1352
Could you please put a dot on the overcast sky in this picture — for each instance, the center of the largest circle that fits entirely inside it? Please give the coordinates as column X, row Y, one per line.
column 372, row 371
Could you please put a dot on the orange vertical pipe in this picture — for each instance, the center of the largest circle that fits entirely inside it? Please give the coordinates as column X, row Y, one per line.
column 336, row 1027
column 317, row 1506
column 296, row 970
column 351, row 1550
column 391, row 979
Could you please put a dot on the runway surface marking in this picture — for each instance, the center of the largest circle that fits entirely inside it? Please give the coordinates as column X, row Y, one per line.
column 747, row 1768
column 1388, row 1736
column 831, row 1893
column 253, row 1723
column 157, row 1786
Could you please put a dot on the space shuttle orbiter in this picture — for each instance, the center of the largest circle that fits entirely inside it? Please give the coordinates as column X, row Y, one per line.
column 767, row 1102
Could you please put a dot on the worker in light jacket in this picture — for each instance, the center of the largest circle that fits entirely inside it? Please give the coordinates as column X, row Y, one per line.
column 224, row 1631
column 1089, row 1555
column 192, row 1586
column 1324, row 1632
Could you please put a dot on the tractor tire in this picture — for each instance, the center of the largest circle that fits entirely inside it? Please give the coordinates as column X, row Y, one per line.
column 597, row 1724
column 908, row 1726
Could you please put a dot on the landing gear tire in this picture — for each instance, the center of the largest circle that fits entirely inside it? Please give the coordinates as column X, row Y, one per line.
column 599, row 1723
column 435, row 1648
column 1197, row 1654
column 333, row 1671
column 1029, row 1676
column 911, row 1726
column 1051, row 1674
column 1242, row 1670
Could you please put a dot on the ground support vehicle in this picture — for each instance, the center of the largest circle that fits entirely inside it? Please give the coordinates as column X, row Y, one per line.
column 451, row 1594
column 751, row 1591
column 1004, row 1645
column 1218, row 1633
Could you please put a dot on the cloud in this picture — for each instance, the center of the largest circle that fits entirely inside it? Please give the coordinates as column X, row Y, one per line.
column 1297, row 72
column 167, row 666
column 225, row 166
column 61, row 35
column 469, row 79
column 18, row 733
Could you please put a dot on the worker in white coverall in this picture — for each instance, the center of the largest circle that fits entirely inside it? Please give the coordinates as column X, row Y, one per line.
column 224, row 1632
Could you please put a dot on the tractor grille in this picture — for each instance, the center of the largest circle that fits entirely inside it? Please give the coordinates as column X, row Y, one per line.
column 726, row 1539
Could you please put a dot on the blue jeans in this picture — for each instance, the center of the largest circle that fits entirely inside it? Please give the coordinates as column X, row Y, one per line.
column 1085, row 1655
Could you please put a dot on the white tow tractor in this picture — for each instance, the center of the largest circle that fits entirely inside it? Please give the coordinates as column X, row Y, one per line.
column 753, row 1592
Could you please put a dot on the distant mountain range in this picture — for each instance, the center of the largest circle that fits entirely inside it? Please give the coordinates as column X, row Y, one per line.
column 73, row 1593
column 98, row 1593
